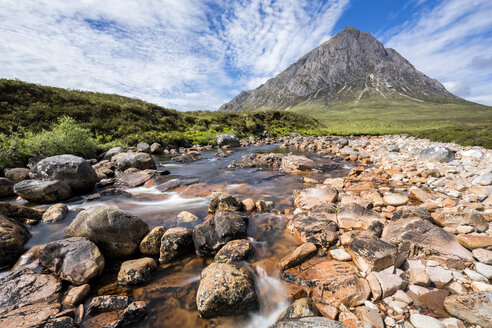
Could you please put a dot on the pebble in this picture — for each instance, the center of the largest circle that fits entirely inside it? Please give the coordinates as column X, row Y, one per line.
column 340, row 254
column 425, row 321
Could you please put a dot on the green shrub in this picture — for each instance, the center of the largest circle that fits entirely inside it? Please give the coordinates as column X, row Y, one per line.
column 66, row 137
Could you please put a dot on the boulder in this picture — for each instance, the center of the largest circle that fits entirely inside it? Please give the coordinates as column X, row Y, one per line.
column 309, row 322
column 133, row 177
column 24, row 287
column 55, row 213
column 355, row 216
column 175, row 243
column 138, row 271
column 298, row 256
column 113, row 152
column 73, row 170
column 30, row 316
column 437, row 153
column 372, row 254
column 38, row 191
column 185, row 216
column 141, row 161
column 17, row 174
column 221, row 201
column 156, row 148
column 76, row 260
column 474, row 308
column 233, row 251
column 134, row 312
column 151, row 243
column 222, row 227
column 311, row 197
column 19, row 213
column 319, row 228
column 6, row 187
column 226, row 289
column 117, row 233
column 297, row 163
column 107, row 303
column 415, row 236
column 76, row 295
column 13, row 236
column 227, row 140
column 143, row 147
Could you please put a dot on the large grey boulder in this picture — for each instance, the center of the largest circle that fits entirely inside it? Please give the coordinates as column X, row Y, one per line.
column 113, row 152
column 76, row 260
column 117, row 233
column 227, row 139
column 13, row 236
column 437, row 153
column 141, row 161
column 39, row 191
column 73, row 170
column 6, row 187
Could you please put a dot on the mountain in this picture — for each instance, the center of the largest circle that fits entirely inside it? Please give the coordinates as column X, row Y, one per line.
column 351, row 68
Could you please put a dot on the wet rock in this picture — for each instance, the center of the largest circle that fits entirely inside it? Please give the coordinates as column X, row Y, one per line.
column 151, row 243
column 226, row 289
column 143, row 147
column 138, row 271
column 425, row 321
column 76, row 260
column 355, row 216
column 184, row 217
column 175, row 243
column 134, row 313
column 30, row 316
column 413, row 234
column 186, row 158
column 141, row 161
column 370, row 315
column 475, row 241
column 311, row 197
column 235, row 250
column 395, row 199
column 19, row 213
column 133, row 178
column 264, row 206
column 61, row 322
column 26, row 287
column 332, row 282
column 372, row 254
column 13, row 236
column 221, row 201
column 474, row 308
column 317, row 228
column 38, row 191
column 227, row 140
column 297, row 163
column 113, row 152
column 309, row 322
column 156, row 148
column 437, row 153
column 300, row 308
column 222, row 227
column 73, row 170
column 6, row 187
column 76, row 295
column 298, row 256
column 117, row 233
column 248, row 205
column 107, row 303
column 17, row 174
column 55, row 213
column 483, row 255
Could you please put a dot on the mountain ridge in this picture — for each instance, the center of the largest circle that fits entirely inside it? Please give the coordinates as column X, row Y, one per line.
column 351, row 66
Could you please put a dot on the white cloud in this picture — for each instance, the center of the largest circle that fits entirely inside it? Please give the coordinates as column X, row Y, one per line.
column 448, row 42
column 183, row 54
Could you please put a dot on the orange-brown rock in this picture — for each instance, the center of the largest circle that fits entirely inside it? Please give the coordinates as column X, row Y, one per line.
column 475, row 241
column 298, row 256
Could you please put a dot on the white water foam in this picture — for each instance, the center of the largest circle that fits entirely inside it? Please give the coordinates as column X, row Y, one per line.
column 174, row 202
column 143, row 191
column 273, row 300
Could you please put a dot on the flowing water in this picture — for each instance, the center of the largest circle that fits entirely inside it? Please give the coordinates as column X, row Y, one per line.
column 171, row 292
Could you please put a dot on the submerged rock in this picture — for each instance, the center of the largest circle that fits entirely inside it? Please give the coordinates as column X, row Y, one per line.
column 226, row 289
column 222, row 227
column 13, row 236
column 107, row 303
column 117, row 233
column 38, row 191
column 76, row 260
column 73, row 170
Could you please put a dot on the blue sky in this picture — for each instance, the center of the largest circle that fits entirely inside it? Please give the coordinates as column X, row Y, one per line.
column 198, row 54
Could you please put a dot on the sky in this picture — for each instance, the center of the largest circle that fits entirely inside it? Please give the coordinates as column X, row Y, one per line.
column 199, row 54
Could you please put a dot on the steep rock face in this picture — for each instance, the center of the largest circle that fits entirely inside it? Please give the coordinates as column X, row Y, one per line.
column 351, row 66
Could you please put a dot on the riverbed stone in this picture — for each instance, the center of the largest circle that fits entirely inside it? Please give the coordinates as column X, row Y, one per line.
column 113, row 152
column 107, row 303
column 73, row 170
column 76, row 295
column 311, row 197
column 340, row 254
column 474, row 308
column 117, row 233
column 297, row 163
column 472, row 241
column 418, row 277
column 222, row 227
column 300, row 308
column 437, row 153
column 6, row 187
column 76, row 260
column 55, row 213
column 484, row 269
column 235, row 250
column 176, row 242
column 185, row 217
column 355, row 216
column 370, row 315
column 13, row 236
column 439, row 276
column 29, row 316
column 23, row 287
column 425, row 321
column 389, row 283
column 220, row 201
column 372, row 254
column 141, row 161
column 319, row 228
column 137, row 271
column 151, row 243
column 17, row 174
column 38, row 191
column 395, row 199
column 226, row 289
column 298, row 256
column 483, row 255
column 309, row 322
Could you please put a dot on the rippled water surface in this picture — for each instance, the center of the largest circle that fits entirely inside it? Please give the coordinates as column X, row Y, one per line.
column 172, row 291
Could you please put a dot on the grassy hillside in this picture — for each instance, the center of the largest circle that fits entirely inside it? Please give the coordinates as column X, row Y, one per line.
column 465, row 123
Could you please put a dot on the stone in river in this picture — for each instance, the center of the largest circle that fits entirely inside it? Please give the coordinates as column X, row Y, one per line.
column 309, row 322
column 29, row 316
column 76, row 295
column 437, row 153
column 297, row 163
column 151, row 243
column 298, row 256
column 38, row 191
column 137, row 271
column 175, row 243
column 311, row 197
column 313, row 227
column 355, row 216
column 235, row 250
column 474, row 308
column 55, row 213
column 300, row 308
column 6, row 187
column 372, row 254
column 221, row 201
column 141, row 161
column 13, row 236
